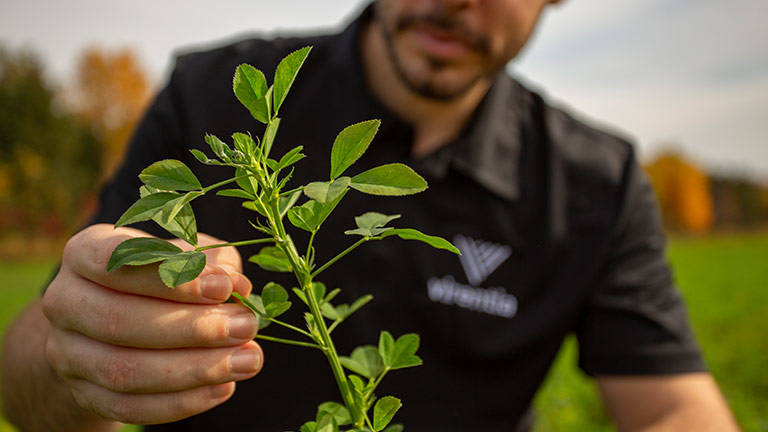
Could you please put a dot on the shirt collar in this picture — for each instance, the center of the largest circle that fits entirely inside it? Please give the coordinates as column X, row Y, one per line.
column 488, row 150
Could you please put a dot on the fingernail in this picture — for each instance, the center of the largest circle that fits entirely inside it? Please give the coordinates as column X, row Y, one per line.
column 242, row 326
column 216, row 287
column 245, row 361
column 218, row 391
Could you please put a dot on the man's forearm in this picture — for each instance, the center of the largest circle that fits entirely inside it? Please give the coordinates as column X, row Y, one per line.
column 34, row 398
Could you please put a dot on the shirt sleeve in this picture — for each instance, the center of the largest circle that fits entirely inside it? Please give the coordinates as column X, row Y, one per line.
column 159, row 135
column 635, row 321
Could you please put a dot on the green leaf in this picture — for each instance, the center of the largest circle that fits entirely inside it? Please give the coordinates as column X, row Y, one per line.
column 172, row 208
column 310, row 426
column 269, row 136
column 350, row 144
column 274, row 310
column 394, row 428
column 183, row 226
column 370, row 224
column 337, row 410
column 273, row 293
column 245, row 143
column 256, row 206
column 254, row 303
column 318, row 289
column 287, row 202
column 290, row 158
column 357, row 383
column 412, row 234
column 219, row 147
column 140, row 251
column 181, row 268
column 170, row 174
column 236, row 193
column 246, row 182
column 312, row 214
column 384, row 410
column 286, row 73
column 327, row 423
column 365, row 360
column 392, row 180
column 273, row 259
column 146, row 208
column 357, row 304
column 400, row 354
column 325, row 192
column 250, row 87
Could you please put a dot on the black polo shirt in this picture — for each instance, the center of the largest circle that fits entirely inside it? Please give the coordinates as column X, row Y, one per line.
column 558, row 227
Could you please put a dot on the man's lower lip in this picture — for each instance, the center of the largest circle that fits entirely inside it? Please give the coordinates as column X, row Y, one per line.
column 438, row 46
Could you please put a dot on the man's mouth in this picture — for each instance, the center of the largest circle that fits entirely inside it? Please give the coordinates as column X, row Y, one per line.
column 439, row 42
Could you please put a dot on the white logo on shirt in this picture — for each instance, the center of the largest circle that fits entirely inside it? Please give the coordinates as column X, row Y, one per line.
column 480, row 258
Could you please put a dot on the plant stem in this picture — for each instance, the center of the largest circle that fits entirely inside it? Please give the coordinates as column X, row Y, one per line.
column 239, row 243
column 289, row 341
column 309, row 245
column 339, row 256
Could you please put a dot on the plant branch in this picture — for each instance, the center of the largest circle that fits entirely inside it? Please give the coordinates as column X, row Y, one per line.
column 223, row 182
column 294, row 328
column 289, row 341
column 340, row 255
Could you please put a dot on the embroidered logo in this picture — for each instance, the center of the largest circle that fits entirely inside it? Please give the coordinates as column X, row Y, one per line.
column 480, row 258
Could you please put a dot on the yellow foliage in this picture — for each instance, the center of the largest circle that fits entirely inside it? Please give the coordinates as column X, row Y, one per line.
column 683, row 191
column 111, row 95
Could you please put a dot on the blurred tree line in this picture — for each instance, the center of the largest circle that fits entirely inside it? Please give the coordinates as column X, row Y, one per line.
column 59, row 143
column 692, row 201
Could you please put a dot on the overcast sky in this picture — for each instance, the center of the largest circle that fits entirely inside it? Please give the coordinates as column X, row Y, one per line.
column 691, row 73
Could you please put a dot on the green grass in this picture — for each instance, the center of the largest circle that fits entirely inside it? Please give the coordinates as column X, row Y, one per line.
column 723, row 278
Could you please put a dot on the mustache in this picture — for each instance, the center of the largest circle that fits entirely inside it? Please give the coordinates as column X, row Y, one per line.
column 447, row 23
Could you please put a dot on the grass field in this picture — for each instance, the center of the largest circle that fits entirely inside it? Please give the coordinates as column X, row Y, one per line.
column 723, row 278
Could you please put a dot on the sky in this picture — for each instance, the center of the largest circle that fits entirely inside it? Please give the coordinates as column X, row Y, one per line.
column 685, row 74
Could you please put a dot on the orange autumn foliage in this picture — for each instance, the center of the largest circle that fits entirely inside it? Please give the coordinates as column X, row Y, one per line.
column 684, row 193
column 111, row 93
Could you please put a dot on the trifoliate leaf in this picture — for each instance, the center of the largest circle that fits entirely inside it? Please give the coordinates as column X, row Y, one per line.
column 337, row 410
column 219, row 147
column 365, row 360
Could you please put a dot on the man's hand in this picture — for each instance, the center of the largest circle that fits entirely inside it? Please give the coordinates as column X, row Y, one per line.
column 681, row 402
column 132, row 349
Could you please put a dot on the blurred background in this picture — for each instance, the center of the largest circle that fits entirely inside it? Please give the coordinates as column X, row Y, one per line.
column 687, row 81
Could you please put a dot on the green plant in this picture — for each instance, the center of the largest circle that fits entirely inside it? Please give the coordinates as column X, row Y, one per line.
column 169, row 187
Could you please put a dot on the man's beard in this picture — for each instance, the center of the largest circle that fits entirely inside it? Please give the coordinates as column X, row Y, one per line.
column 429, row 88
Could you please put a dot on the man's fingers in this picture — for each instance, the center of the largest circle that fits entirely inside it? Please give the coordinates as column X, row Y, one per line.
column 131, row 370
column 88, row 252
column 142, row 322
column 149, row 408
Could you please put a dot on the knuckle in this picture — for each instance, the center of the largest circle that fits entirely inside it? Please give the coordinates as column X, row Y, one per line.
column 124, row 410
column 118, row 373
column 110, row 322
column 210, row 328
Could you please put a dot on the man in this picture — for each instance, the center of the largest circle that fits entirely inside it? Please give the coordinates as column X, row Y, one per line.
column 557, row 223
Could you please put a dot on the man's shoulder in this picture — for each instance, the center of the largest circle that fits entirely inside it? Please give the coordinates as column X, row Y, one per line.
column 586, row 151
